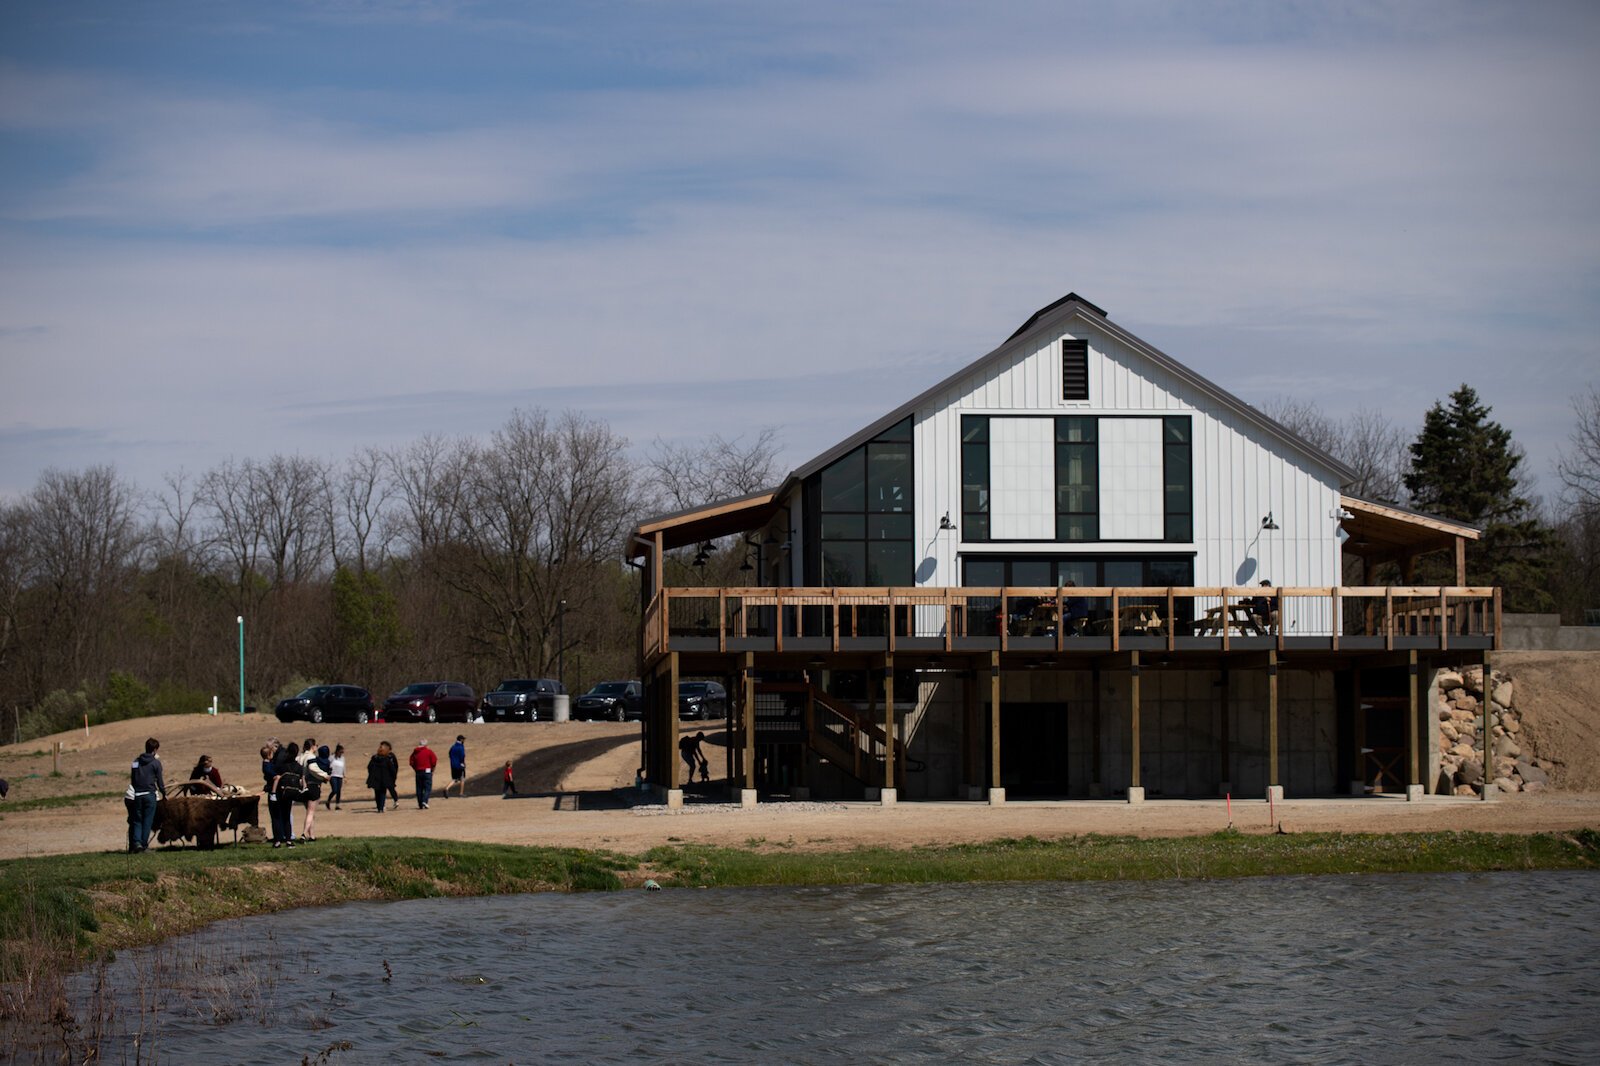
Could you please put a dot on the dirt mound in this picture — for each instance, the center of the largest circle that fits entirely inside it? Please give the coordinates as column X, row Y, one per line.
column 1558, row 694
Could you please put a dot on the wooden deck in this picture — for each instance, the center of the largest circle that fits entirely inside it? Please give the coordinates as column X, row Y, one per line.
column 1071, row 620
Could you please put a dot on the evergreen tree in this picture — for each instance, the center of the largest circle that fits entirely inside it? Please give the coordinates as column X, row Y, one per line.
column 1464, row 467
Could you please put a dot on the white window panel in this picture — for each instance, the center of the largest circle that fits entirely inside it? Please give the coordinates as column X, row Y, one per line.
column 1132, row 506
column 1022, row 471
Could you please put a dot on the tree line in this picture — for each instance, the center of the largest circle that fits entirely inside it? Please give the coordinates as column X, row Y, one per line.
column 466, row 559
column 444, row 559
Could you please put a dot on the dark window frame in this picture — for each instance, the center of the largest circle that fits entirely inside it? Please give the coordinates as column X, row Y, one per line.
column 1074, row 370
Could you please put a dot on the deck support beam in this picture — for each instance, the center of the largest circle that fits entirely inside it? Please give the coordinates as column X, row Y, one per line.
column 747, row 684
column 889, row 794
column 1413, row 727
column 1135, row 785
column 997, row 792
column 1358, row 721
column 1096, row 780
column 969, row 734
column 1274, row 782
column 1486, row 738
column 1224, row 713
column 670, row 702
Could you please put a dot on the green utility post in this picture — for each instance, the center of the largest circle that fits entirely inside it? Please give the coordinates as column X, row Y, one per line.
column 241, row 664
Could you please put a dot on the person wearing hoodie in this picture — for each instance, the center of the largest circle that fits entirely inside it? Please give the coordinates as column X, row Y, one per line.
column 145, row 785
column 423, row 760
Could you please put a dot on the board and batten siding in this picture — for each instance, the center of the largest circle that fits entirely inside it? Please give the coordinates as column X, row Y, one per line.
column 1241, row 472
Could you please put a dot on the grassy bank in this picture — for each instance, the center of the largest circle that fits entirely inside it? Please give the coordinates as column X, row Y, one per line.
column 73, row 907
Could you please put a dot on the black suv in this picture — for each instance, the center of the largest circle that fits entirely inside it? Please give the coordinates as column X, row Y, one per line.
column 702, row 699
column 614, row 701
column 521, row 699
column 327, row 703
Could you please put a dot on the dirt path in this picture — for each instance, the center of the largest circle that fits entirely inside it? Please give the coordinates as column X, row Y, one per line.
column 575, row 769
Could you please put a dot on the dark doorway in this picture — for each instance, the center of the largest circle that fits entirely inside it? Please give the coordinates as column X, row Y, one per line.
column 1033, row 749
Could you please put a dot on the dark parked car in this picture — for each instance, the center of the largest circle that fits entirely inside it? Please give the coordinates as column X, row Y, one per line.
column 522, row 699
column 612, row 701
column 430, row 701
column 702, row 699
column 327, row 703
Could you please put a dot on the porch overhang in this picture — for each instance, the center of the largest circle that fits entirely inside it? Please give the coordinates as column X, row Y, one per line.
column 722, row 518
column 1381, row 532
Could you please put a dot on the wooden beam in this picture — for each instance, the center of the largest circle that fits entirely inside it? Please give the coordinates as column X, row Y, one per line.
column 1413, row 728
column 888, row 722
column 994, row 719
column 747, row 681
column 672, row 722
column 1461, row 560
column 1224, row 728
column 1486, row 738
column 1133, row 712
column 969, row 729
column 1272, row 719
column 1360, row 728
column 1095, row 779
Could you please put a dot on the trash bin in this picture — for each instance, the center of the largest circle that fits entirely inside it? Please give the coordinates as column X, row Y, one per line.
column 563, row 708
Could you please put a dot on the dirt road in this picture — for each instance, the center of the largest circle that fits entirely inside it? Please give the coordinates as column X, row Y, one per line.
column 571, row 774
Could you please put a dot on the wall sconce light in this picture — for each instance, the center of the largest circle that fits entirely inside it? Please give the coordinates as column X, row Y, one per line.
column 1339, row 514
column 746, row 566
column 1268, row 523
column 945, row 524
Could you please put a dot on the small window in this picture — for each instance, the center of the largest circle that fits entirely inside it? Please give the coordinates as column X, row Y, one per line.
column 1074, row 369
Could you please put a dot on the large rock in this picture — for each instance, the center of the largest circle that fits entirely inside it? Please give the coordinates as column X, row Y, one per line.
column 1471, row 772
column 1472, row 679
column 1502, row 693
column 1449, row 680
column 1505, row 747
column 1465, row 703
column 1462, row 750
column 1449, row 731
column 1452, row 692
column 1505, row 784
column 1511, row 724
column 1531, row 773
column 1535, row 786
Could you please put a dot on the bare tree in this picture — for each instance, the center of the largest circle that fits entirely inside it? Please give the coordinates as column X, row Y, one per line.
column 363, row 527
column 1367, row 442
column 1579, row 469
column 428, row 478
column 688, row 475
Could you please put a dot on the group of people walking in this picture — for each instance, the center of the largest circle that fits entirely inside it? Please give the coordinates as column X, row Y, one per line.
column 297, row 775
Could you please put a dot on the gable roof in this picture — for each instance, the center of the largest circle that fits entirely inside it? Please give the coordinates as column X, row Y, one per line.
column 1052, row 317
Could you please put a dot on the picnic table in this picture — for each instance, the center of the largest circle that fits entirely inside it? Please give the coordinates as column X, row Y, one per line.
column 1136, row 619
column 1235, row 618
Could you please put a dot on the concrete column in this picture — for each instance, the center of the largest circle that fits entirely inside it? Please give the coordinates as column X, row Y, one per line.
column 674, row 798
column 747, row 797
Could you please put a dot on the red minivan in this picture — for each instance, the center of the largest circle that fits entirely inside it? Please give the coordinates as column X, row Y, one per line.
column 430, row 701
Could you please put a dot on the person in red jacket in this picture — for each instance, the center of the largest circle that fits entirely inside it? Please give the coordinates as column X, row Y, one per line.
column 423, row 760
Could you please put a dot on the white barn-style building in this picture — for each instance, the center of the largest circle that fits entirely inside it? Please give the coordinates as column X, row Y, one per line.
column 1075, row 568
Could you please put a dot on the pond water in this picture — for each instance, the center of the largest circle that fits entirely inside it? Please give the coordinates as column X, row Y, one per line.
column 1474, row 967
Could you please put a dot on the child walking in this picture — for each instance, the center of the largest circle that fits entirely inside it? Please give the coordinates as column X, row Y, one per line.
column 336, row 779
column 510, row 787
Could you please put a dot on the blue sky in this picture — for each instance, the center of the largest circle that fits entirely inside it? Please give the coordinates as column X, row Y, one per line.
column 245, row 228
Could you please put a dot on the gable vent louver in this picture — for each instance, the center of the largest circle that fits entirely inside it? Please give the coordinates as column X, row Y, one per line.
column 1074, row 369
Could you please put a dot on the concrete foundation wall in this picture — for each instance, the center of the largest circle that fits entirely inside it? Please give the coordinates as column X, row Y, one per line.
column 1544, row 632
column 1180, row 730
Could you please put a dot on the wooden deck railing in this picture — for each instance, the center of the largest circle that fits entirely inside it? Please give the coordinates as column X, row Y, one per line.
column 1090, row 619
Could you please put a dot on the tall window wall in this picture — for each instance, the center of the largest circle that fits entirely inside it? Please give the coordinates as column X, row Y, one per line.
column 1078, row 462
column 860, row 514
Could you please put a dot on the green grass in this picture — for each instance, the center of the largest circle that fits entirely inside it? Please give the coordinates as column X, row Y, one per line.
column 78, row 906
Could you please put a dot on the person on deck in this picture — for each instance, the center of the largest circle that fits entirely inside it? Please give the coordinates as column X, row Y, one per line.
column 1262, row 609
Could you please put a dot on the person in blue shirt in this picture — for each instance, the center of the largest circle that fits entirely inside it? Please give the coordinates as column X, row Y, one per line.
column 458, row 768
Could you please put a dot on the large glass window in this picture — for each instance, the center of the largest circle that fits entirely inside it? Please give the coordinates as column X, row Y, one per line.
column 1082, row 571
column 974, row 478
column 864, row 522
column 1177, row 455
column 1077, row 479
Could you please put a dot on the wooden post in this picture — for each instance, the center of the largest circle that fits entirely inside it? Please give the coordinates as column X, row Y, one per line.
column 671, row 701
column 748, row 681
column 1272, row 719
column 1133, row 707
column 1484, row 735
column 1413, row 713
column 994, row 719
column 1461, row 561
column 888, row 721
column 1338, row 616
column 1360, row 730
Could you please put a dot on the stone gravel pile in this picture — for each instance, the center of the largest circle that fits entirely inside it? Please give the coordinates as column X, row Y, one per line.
column 1516, row 767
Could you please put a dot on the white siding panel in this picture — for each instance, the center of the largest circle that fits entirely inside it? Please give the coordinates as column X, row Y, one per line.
column 1130, row 479
column 1022, row 477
